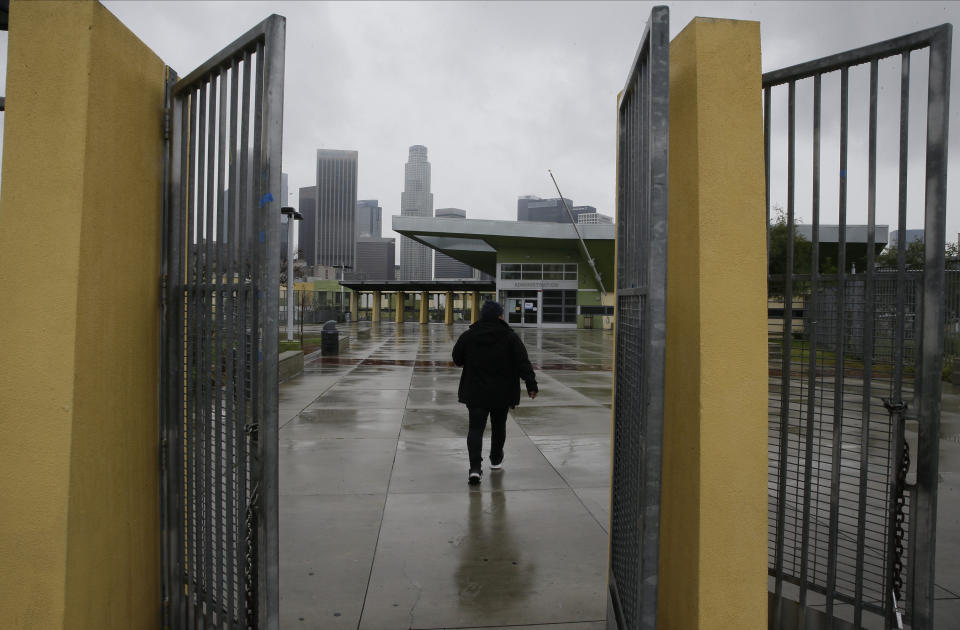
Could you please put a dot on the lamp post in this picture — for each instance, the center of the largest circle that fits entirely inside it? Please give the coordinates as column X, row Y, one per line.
column 343, row 269
column 292, row 215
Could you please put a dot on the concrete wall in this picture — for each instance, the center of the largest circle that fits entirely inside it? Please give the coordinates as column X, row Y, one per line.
column 79, row 499
column 713, row 545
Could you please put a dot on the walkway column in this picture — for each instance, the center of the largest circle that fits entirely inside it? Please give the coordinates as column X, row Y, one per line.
column 375, row 316
column 448, row 309
column 398, row 314
column 713, row 522
column 354, row 306
column 475, row 306
column 424, row 305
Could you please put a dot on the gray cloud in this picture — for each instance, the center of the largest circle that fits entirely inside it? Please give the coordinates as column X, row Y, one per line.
column 497, row 91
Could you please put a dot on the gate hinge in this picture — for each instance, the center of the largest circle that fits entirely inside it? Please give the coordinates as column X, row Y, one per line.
column 166, row 123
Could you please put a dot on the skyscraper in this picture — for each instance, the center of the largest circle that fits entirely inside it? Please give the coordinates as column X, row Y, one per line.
column 369, row 219
column 444, row 267
column 416, row 201
column 333, row 233
column 307, row 241
column 375, row 258
column 533, row 208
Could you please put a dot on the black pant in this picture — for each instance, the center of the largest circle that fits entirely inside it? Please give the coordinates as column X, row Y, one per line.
column 498, row 430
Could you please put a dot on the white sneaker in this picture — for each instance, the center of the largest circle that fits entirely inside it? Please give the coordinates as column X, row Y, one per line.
column 497, row 466
column 474, row 478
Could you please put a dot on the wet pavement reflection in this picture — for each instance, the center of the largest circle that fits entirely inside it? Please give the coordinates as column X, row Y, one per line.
column 379, row 528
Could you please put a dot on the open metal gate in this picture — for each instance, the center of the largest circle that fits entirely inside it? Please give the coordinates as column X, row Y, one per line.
column 642, row 145
column 855, row 349
column 219, row 377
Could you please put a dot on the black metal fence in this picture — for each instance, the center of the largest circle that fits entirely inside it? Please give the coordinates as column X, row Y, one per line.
column 853, row 356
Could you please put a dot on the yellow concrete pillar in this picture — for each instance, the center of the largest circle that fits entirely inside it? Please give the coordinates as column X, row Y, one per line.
column 475, row 306
column 424, row 306
column 80, row 521
column 713, row 532
column 448, row 309
column 398, row 313
column 375, row 315
column 354, row 306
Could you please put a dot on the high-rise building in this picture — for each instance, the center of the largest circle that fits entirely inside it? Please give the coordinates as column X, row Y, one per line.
column 416, row 201
column 445, row 267
column 369, row 219
column 308, row 225
column 336, row 208
column 375, row 258
column 533, row 208
column 593, row 218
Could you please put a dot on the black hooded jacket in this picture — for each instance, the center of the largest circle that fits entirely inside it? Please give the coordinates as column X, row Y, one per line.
column 494, row 360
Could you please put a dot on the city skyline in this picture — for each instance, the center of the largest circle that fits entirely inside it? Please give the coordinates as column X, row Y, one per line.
column 499, row 99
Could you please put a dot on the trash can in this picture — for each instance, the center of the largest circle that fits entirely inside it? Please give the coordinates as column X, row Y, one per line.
column 330, row 338
column 588, row 321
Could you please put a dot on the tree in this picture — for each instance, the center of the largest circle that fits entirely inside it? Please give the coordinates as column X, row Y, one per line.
column 779, row 238
column 913, row 256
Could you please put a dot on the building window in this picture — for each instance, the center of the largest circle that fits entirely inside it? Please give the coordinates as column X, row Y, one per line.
column 570, row 271
column 532, row 271
column 553, row 272
column 559, row 307
column 510, row 272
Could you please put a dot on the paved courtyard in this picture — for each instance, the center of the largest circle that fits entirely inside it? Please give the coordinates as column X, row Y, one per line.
column 380, row 531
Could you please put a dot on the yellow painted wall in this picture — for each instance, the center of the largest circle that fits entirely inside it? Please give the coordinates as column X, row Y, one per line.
column 79, row 499
column 713, row 521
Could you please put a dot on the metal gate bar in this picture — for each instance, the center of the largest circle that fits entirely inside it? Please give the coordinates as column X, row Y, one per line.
column 836, row 477
column 221, row 270
column 643, row 117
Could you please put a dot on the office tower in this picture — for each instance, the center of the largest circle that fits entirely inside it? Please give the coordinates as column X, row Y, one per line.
column 416, row 201
column 593, row 218
column 369, row 219
column 533, row 208
column 328, row 235
column 376, row 258
column 444, row 267
column 308, row 225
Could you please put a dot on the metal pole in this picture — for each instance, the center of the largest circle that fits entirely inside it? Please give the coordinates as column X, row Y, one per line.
column 290, row 278
column 586, row 252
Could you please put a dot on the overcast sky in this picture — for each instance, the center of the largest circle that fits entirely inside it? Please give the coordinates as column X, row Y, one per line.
column 501, row 91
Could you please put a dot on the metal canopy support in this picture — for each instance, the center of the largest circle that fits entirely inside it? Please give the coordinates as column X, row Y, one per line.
column 642, row 149
column 221, row 274
column 583, row 244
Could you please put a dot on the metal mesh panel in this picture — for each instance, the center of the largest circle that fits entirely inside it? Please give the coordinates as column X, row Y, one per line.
column 846, row 353
column 640, row 332
column 627, row 451
column 221, row 268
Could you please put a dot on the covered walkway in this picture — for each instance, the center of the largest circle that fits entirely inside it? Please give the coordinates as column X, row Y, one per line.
column 409, row 300
column 378, row 526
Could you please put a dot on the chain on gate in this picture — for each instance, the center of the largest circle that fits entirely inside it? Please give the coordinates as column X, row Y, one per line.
column 898, row 410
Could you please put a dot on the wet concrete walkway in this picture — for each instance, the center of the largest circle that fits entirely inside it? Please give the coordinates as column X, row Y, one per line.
column 379, row 529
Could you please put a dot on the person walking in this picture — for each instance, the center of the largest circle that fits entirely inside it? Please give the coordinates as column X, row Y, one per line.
column 493, row 360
